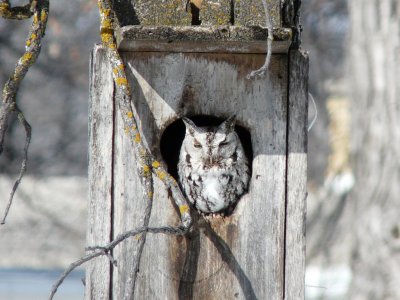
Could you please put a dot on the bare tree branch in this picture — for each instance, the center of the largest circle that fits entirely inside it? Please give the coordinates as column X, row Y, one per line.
column 147, row 164
column 39, row 9
column 105, row 250
column 28, row 134
column 17, row 12
column 147, row 215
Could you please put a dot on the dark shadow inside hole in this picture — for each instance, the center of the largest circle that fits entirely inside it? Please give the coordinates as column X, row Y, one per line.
column 232, row 16
column 195, row 11
column 172, row 138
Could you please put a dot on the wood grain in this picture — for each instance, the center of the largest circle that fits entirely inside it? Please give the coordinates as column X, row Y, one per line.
column 295, row 245
column 242, row 256
column 231, row 39
column 101, row 126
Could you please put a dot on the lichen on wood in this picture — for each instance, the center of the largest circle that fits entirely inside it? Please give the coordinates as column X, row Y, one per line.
column 145, row 159
column 206, row 12
column 251, row 13
column 216, row 13
column 171, row 12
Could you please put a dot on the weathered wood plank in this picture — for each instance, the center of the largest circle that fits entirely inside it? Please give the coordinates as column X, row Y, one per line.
column 98, row 274
column 224, row 39
column 128, row 201
column 241, row 255
column 129, row 213
column 296, row 176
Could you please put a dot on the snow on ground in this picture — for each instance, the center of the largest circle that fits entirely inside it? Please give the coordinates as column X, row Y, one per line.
column 330, row 283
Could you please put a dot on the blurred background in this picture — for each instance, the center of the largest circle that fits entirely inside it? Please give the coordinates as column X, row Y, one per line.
column 353, row 227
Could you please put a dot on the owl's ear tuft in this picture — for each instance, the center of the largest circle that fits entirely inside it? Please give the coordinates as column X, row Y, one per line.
column 190, row 126
column 228, row 125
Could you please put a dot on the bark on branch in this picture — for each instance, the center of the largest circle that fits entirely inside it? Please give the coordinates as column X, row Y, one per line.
column 39, row 9
column 17, row 12
column 97, row 251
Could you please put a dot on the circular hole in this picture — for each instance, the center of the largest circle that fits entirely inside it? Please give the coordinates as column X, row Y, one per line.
column 173, row 135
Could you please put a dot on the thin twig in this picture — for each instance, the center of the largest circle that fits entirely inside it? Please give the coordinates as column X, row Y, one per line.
column 72, row 267
column 147, row 215
column 105, row 250
column 261, row 71
column 112, row 260
column 28, row 134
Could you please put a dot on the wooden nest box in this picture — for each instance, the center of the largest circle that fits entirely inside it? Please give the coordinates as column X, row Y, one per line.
column 258, row 252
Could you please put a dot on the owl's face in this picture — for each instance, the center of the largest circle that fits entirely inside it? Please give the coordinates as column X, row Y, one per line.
column 211, row 145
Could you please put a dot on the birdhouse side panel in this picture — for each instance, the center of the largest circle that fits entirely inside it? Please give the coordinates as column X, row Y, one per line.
column 167, row 86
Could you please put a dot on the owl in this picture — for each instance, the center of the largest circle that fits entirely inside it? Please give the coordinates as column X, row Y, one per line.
column 213, row 168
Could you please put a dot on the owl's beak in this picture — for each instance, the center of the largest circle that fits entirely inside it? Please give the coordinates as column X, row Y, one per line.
column 209, row 161
column 213, row 160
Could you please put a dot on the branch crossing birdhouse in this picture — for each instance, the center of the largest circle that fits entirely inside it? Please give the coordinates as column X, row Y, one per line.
column 178, row 70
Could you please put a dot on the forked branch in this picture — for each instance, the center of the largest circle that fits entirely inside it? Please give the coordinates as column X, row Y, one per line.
column 106, row 250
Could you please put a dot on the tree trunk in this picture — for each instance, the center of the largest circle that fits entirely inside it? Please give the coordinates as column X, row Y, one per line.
column 375, row 69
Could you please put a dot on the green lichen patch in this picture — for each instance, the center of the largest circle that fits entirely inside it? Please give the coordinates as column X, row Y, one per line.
column 251, row 13
column 215, row 12
column 162, row 12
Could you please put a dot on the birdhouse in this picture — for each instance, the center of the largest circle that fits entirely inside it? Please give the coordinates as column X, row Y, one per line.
column 257, row 251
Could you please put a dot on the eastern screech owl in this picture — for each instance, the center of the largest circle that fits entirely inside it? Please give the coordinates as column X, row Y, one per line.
column 213, row 168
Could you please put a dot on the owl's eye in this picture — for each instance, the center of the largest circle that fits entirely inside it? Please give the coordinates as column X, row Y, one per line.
column 196, row 144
